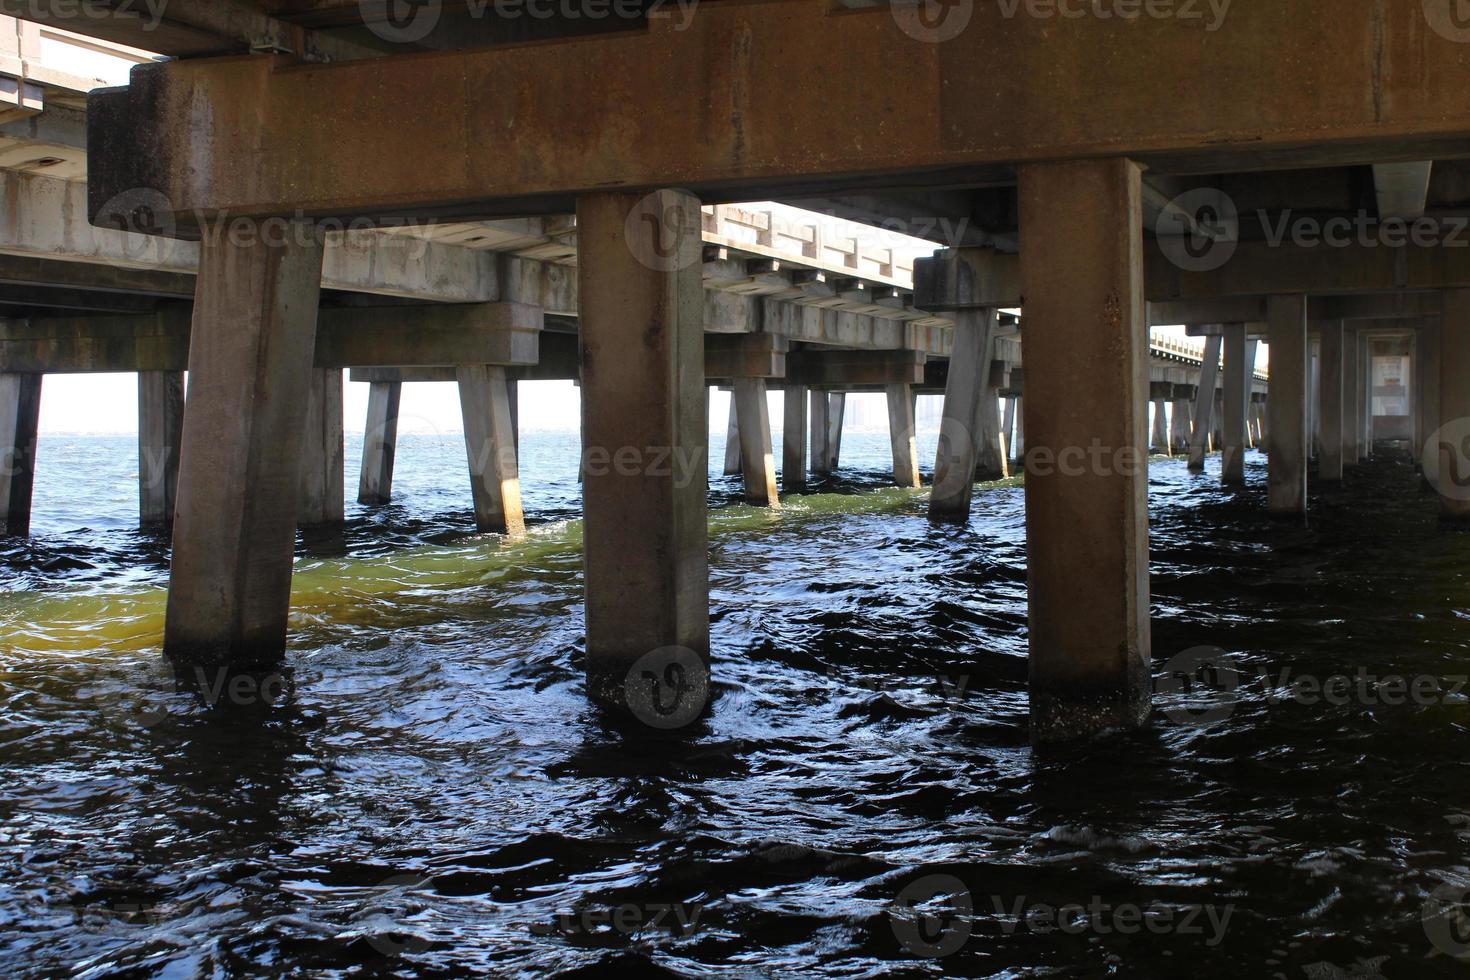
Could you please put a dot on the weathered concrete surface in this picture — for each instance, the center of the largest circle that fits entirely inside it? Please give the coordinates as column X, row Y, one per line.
column 20, row 412
column 1329, row 389
column 901, row 435
column 1204, row 406
column 1238, row 374
column 793, row 438
column 1352, row 397
column 1454, row 406
column 379, row 443
column 646, row 541
column 235, row 519
column 489, row 436
column 732, row 441
column 961, row 430
column 160, row 432
column 1179, row 420
column 1287, row 473
column 990, row 459
column 1086, row 383
column 758, row 462
column 322, row 454
column 1427, row 345
column 1377, row 89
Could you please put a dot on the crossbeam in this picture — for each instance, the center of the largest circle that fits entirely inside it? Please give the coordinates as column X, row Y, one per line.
column 472, row 137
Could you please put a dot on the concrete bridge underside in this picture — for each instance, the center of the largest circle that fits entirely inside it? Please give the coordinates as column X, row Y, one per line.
column 1058, row 192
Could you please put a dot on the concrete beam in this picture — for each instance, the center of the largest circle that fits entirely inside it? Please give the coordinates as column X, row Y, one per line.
column 1402, row 189
column 855, row 368
column 1377, row 90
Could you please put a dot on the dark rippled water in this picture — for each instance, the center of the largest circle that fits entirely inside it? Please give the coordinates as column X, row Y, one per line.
column 432, row 796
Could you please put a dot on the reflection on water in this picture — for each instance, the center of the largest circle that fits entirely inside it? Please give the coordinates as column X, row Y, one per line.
column 425, row 791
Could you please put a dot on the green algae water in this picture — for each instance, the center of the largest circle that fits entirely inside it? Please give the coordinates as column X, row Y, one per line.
column 429, row 794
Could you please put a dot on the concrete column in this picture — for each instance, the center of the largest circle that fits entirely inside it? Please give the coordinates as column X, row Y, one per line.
column 322, row 481
column 1204, row 405
column 379, row 443
column 901, row 435
column 836, row 405
column 1287, row 405
column 962, row 429
column 758, row 462
column 1236, row 396
column 160, row 429
column 1159, row 433
column 821, row 463
column 732, row 441
column 250, row 365
column 990, row 459
column 646, row 547
column 1352, row 397
column 1453, row 471
column 1314, row 416
column 1428, row 340
column 1020, row 436
column 20, row 413
column 495, row 482
column 1329, row 388
column 513, row 396
column 1087, row 351
column 793, row 439
column 1008, row 429
column 1217, row 426
column 1179, row 418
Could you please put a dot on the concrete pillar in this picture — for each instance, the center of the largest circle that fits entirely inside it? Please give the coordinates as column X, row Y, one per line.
column 1217, row 425
column 901, row 435
column 20, row 414
column 990, row 459
column 250, row 365
column 821, row 463
column 1428, row 341
column 1453, row 472
column 513, row 396
column 1352, row 398
column 1329, row 389
column 758, row 462
column 1314, row 417
column 836, row 405
column 1159, row 392
column 495, row 482
column 322, row 481
column 1008, row 429
column 379, row 443
column 1204, row 406
column 732, row 441
column 1236, row 395
column 793, row 439
column 1179, row 418
column 1020, row 437
column 1287, row 406
column 1087, row 351
column 962, row 429
column 160, row 429
column 646, row 544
